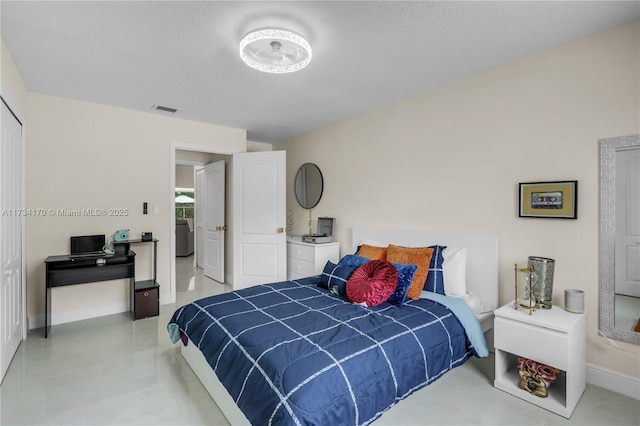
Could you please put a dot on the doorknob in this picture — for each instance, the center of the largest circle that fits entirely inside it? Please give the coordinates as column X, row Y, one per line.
column 221, row 228
column 280, row 230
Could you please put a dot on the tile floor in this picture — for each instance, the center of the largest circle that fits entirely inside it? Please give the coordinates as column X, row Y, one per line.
column 114, row 371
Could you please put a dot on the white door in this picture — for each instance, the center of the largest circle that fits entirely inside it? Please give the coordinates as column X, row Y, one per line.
column 11, row 224
column 259, row 218
column 627, row 249
column 214, row 223
column 199, row 217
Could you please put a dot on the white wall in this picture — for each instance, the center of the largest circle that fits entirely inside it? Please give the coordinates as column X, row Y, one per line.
column 253, row 146
column 451, row 159
column 193, row 157
column 184, row 177
column 82, row 155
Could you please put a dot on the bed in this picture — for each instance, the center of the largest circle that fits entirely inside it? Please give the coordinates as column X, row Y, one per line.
column 295, row 353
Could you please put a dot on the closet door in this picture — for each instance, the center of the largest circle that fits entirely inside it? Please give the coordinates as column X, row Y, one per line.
column 12, row 216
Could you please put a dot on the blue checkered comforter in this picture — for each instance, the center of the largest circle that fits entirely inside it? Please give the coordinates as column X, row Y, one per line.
column 293, row 353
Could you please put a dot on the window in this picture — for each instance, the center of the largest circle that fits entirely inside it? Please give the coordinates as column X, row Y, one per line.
column 184, row 204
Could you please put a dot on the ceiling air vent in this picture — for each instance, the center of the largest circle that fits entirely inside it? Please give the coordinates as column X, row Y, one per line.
column 164, row 108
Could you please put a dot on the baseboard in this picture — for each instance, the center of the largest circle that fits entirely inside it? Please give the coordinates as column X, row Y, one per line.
column 613, row 381
column 165, row 299
column 37, row 321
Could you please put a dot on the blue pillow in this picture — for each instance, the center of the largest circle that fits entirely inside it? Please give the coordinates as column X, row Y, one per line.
column 334, row 277
column 405, row 276
column 353, row 260
column 435, row 280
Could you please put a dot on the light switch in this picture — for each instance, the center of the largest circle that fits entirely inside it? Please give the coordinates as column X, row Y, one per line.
column 156, row 211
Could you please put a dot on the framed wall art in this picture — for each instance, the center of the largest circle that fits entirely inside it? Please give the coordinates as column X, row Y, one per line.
column 557, row 200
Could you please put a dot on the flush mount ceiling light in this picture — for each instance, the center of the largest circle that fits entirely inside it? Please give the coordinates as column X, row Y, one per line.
column 275, row 50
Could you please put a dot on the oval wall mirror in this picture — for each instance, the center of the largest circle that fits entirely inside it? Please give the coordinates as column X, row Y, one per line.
column 309, row 185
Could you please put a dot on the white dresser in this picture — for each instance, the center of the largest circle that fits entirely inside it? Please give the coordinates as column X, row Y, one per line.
column 307, row 259
column 553, row 337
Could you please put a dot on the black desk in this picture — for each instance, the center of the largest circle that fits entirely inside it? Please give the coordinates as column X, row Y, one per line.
column 66, row 270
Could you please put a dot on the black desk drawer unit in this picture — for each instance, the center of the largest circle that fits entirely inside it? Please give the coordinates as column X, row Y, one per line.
column 144, row 295
column 146, row 302
column 79, row 275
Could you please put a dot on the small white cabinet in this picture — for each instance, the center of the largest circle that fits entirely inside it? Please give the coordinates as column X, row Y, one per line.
column 553, row 337
column 307, row 259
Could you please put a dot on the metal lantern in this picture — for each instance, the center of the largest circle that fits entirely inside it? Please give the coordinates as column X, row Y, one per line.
column 542, row 279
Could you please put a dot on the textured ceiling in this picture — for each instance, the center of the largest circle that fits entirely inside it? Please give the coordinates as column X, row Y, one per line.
column 365, row 54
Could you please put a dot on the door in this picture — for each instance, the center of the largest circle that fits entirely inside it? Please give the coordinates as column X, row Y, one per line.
column 627, row 249
column 199, row 217
column 11, row 225
column 259, row 218
column 214, row 223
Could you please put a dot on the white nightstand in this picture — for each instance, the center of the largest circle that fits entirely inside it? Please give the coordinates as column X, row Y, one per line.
column 553, row 337
column 307, row 259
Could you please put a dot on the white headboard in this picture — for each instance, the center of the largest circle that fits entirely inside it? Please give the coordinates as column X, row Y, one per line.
column 482, row 252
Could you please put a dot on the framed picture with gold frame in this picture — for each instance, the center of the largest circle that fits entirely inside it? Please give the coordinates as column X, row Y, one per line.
column 557, row 200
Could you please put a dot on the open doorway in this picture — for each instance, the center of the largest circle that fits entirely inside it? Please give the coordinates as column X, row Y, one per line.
column 256, row 250
column 185, row 210
column 185, row 161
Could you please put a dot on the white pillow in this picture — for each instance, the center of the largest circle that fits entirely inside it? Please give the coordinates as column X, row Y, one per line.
column 454, row 269
column 478, row 305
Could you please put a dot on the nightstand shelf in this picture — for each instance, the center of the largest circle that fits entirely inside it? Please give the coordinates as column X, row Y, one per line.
column 508, row 382
column 553, row 337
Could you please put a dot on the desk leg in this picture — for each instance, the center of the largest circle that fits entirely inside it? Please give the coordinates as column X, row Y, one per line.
column 47, row 306
column 155, row 261
column 132, row 296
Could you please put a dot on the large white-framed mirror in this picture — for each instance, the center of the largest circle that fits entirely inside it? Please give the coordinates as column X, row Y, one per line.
column 620, row 238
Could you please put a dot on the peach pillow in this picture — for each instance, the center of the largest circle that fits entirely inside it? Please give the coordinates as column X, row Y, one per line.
column 372, row 252
column 412, row 256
